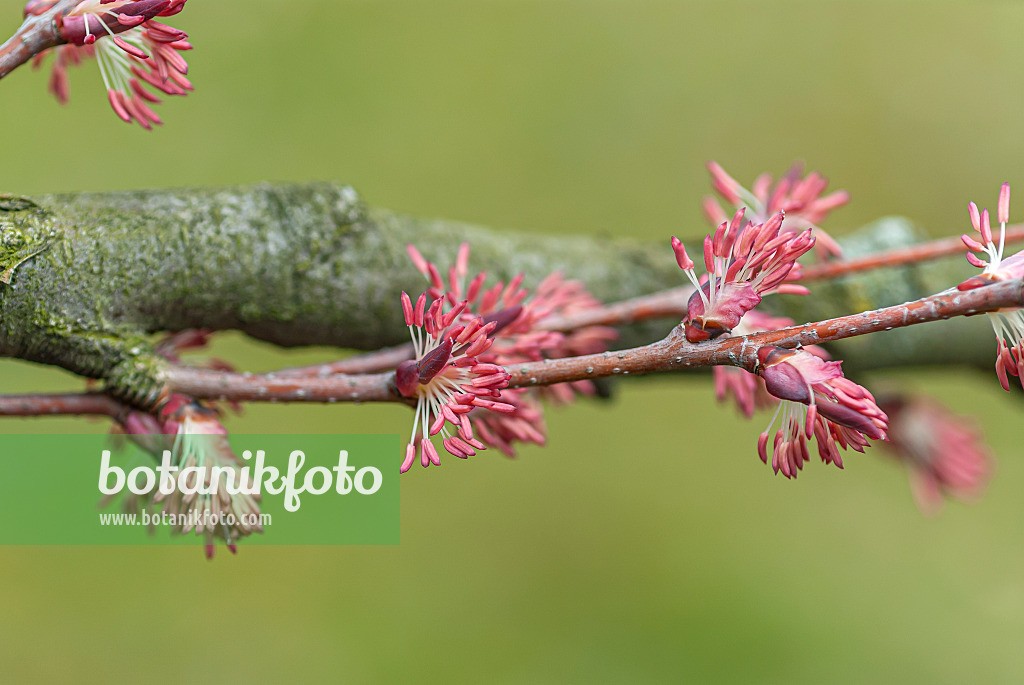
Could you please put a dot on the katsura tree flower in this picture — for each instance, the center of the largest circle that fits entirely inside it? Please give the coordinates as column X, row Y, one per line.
column 201, row 440
column 944, row 453
column 798, row 196
column 744, row 263
column 816, row 400
column 136, row 54
column 196, row 438
column 447, row 379
column 519, row 335
column 90, row 20
column 1008, row 324
column 518, row 312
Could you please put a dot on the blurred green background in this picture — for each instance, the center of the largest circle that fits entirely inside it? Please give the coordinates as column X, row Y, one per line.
column 647, row 542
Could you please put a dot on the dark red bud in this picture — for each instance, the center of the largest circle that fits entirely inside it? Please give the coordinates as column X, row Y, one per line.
column 784, row 381
column 699, row 330
column 434, row 361
column 407, row 377
column 504, row 317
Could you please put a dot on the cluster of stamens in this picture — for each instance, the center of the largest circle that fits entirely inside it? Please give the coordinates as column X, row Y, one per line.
column 447, row 379
column 799, row 197
column 1008, row 324
column 815, row 400
column 743, row 263
column 136, row 54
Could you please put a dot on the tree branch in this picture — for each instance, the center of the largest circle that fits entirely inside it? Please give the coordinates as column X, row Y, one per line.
column 244, row 387
column 901, row 256
column 36, row 34
column 312, row 265
column 668, row 303
column 671, row 354
column 675, row 352
column 83, row 404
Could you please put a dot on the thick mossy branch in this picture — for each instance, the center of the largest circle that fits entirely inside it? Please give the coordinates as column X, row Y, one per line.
column 92, row 275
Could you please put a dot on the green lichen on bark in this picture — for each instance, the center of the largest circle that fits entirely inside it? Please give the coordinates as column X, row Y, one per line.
column 294, row 265
column 17, row 245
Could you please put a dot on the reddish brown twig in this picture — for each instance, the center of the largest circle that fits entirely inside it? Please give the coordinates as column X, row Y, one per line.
column 34, row 36
column 247, row 387
column 667, row 303
column 82, row 404
column 370, row 362
column 900, row 256
column 672, row 353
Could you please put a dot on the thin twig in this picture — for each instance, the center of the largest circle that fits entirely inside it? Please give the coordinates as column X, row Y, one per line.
column 370, row 362
column 667, row 303
column 675, row 352
column 672, row 353
column 80, row 404
column 900, row 256
column 247, row 387
column 35, row 35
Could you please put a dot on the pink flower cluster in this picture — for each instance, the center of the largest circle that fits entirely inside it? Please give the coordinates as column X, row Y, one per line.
column 747, row 389
column 518, row 336
column 136, row 53
column 196, row 438
column 743, row 263
column 944, row 453
column 799, row 197
column 447, row 379
column 1008, row 324
column 816, row 401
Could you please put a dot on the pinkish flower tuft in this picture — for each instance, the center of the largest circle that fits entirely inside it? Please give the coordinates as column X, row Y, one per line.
column 519, row 315
column 1008, row 324
column 136, row 54
column 448, row 379
column 799, row 197
column 196, row 438
column 944, row 453
column 90, row 20
column 816, row 401
column 743, row 262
